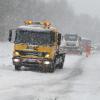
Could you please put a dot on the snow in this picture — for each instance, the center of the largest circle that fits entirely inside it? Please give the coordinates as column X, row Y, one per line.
column 35, row 28
column 78, row 80
column 32, row 27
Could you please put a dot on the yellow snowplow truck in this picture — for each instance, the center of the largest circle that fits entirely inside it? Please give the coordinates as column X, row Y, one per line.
column 37, row 44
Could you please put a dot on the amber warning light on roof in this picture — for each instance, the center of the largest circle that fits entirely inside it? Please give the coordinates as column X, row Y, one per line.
column 46, row 24
column 28, row 22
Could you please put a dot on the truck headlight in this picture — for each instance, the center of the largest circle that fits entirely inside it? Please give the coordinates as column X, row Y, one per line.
column 46, row 62
column 16, row 60
column 47, row 55
column 17, row 53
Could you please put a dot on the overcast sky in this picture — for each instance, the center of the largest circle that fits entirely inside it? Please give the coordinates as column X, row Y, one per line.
column 91, row 7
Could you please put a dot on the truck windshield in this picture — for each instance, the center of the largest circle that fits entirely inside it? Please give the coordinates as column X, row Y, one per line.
column 71, row 37
column 35, row 38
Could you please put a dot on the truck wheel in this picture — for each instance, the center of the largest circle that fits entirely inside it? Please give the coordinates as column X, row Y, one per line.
column 17, row 68
column 52, row 68
column 62, row 63
column 61, row 66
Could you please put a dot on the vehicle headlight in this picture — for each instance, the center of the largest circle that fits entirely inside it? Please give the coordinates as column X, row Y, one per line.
column 16, row 60
column 17, row 53
column 46, row 62
column 47, row 55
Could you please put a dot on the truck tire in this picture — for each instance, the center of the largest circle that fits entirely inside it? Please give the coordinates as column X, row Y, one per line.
column 17, row 68
column 62, row 63
column 51, row 70
column 52, row 67
column 61, row 66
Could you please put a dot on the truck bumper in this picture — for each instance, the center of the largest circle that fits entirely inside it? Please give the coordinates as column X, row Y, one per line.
column 73, row 51
column 30, row 62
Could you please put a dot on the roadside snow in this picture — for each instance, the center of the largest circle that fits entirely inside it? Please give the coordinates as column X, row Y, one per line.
column 87, row 86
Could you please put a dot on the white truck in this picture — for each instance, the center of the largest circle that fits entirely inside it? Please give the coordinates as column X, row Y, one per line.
column 73, row 43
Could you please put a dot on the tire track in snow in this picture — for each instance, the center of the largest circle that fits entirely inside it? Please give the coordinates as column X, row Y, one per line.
column 76, row 71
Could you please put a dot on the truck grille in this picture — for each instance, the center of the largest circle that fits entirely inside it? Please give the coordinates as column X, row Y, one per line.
column 34, row 63
column 25, row 53
column 71, row 44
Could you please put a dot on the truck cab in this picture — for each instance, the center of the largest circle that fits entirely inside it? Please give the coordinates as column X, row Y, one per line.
column 37, row 45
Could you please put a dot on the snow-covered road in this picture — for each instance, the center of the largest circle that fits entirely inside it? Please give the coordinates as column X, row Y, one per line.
column 78, row 80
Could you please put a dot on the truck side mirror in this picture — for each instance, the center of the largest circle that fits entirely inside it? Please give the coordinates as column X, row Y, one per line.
column 10, row 36
column 59, row 39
